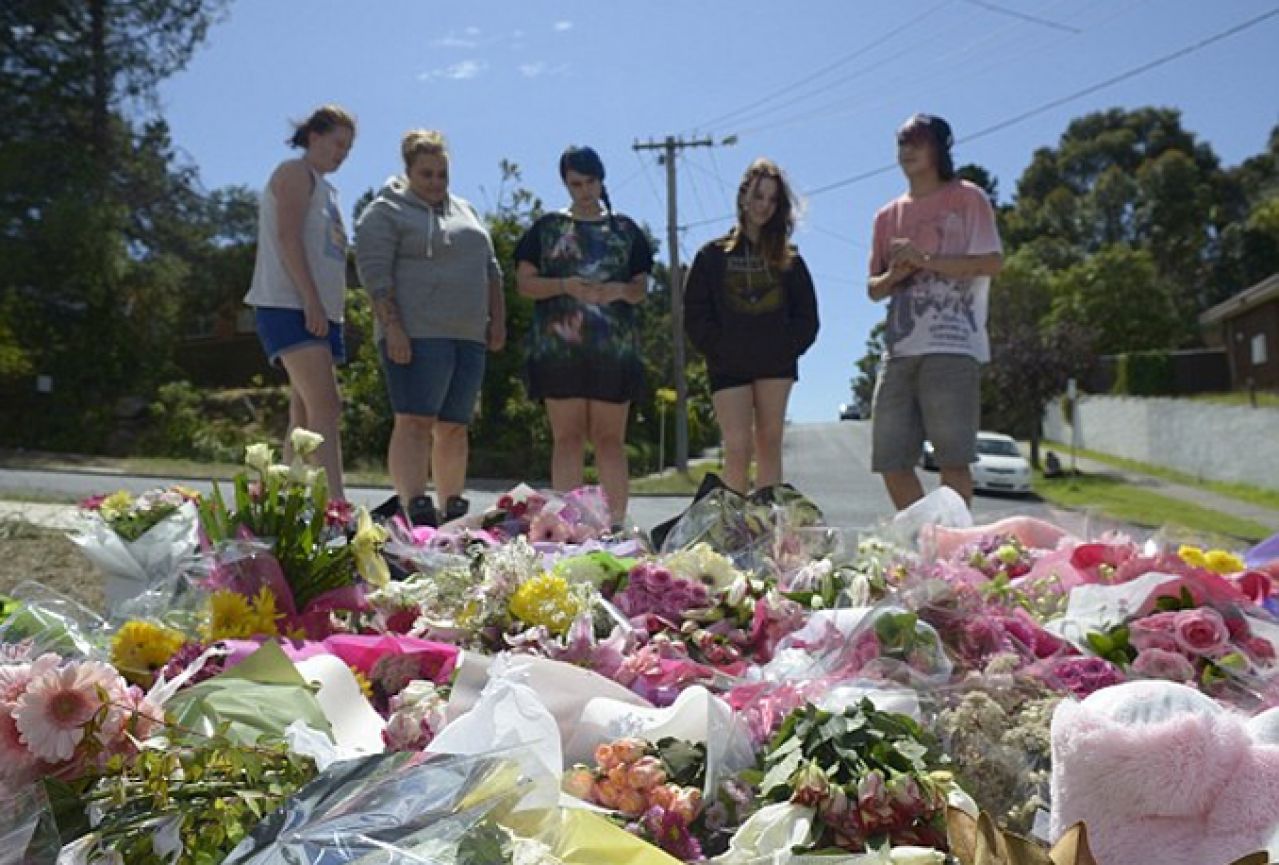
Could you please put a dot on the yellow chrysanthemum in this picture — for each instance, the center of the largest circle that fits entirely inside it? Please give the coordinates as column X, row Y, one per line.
column 366, row 687
column 138, row 649
column 264, row 614
column 230, row 617
column 1222, row 562
column 545, row 600
column 1192, row 556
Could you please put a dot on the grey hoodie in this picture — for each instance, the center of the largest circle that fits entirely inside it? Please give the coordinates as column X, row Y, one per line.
column 437, row 264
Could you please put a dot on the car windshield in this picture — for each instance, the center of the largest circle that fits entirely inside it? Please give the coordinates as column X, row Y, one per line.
column 997, row 447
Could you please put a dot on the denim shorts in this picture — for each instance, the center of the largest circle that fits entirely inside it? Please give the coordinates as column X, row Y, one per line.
column 933, row 396
column 281, row 330
column 441, row 380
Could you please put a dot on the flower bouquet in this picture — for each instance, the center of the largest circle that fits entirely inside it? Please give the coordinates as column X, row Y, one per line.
column 871, row 777
column 282, row 532
column 139, row 542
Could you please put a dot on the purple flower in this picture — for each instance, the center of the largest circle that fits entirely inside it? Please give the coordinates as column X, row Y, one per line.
column 671, row 834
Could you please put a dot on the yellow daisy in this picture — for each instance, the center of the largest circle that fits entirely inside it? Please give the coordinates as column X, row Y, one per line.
column 230, row 617
column 1222, row 562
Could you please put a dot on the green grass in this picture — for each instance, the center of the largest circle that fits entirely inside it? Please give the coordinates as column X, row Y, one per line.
column 37, row 497
column 672, row 483
column 1242, row 492
column 159, row 467
column 1265, row 398
column 1121, row 501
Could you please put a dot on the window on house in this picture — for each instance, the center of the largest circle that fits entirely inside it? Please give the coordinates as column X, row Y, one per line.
column 200, row 327
column 244, row 321
column 1259, row 349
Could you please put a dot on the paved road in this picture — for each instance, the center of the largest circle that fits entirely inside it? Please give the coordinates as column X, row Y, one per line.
column 830, row 462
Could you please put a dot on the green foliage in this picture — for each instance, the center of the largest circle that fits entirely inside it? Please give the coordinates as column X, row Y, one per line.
column 868, row 366
column 367, row 418
column 1144, row 373
column 215, row 791
column 216, row 426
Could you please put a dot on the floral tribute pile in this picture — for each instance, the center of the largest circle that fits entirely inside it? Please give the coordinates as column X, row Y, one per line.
column 278, row 678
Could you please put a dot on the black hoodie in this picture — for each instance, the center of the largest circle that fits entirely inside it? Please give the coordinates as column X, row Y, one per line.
column 749, row 320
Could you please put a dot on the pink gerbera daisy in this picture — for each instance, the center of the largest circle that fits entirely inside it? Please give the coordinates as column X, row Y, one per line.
column 16, row 761
column 14, row 678
column 51, row 715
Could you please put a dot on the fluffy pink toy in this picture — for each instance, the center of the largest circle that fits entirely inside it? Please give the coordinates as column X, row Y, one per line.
column 1161, row 773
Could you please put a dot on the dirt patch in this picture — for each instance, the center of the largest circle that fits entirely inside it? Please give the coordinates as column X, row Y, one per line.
column 47, row 557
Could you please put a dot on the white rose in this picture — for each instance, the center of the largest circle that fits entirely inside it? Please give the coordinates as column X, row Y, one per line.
column 305, row 442
column 258, row 456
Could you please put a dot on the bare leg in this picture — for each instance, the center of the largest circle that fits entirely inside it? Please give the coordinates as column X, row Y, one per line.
column 770, row 396
column 448, row 460
column 297, row 418
column 568, row 429
column 959, row 479
column 734, row 410
column 408, row 455
column 312, row 377
column 904, row 488
column 607, row 430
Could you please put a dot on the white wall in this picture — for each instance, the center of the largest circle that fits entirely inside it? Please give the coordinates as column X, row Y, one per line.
column 1207, row 440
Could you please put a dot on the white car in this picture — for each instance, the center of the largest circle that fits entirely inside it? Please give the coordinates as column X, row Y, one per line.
column 999, row 466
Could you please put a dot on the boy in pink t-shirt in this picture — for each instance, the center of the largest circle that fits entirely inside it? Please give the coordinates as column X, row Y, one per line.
column 934, row 251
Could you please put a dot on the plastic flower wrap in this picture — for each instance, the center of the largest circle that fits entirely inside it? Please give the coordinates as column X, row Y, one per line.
column 141, row 542
column 998, row 736
column 870, row 776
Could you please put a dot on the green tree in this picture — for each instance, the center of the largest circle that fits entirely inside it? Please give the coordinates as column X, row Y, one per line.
column 868, row 366
column 1119, row 296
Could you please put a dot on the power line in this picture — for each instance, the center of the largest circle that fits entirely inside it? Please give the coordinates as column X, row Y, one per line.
column 1086, row 91
column 853, row 55
column 1013, row 13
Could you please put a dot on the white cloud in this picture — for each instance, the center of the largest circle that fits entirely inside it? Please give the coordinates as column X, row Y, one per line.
column 462, row 71
column 532, row 70
column 472, row 31
column 562, row 26
column 453, row 41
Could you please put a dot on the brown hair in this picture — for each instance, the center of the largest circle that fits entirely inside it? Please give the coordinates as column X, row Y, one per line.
column 422, row 142
column 774, row 235
column 931, row 129
column 324, row 119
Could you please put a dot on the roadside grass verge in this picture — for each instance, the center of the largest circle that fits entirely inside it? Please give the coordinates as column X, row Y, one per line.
column 1122, row 501
column 1243, row 492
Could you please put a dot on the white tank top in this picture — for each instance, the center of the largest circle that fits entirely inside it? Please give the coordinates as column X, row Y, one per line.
column 323, row 238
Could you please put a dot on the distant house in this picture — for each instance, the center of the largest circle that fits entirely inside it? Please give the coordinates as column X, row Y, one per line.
column 1247, row 327
column 222, row 349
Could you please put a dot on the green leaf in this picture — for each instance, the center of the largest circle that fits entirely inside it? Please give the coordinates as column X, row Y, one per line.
column 780, row 774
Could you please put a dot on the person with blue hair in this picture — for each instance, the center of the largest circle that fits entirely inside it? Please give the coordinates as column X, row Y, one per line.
column 586, row 268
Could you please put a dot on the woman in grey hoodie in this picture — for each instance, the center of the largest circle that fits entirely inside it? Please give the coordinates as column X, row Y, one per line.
column 427, row 259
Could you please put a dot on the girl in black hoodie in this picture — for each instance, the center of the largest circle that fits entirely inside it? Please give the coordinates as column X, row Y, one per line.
column 750, row 307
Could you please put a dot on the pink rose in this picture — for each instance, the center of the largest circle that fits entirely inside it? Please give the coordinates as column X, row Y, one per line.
column 1154, row 632
column 1201, row 630
column 1260, row 649
column 1160, row 664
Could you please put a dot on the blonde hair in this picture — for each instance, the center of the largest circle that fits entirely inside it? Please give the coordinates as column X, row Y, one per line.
column 422, row 142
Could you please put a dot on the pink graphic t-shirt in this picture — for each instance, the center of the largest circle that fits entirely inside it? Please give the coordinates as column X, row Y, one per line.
column 931, row 313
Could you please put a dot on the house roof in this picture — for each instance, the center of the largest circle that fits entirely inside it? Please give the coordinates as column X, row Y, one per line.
column 1267, row 289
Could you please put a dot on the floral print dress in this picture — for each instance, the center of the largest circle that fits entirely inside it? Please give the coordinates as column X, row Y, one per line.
column 580, row 350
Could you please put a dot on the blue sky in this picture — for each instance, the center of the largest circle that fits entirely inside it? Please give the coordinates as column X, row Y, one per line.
column 818, row 86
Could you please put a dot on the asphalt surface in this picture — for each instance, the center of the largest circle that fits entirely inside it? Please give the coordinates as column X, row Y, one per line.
column 829, row 462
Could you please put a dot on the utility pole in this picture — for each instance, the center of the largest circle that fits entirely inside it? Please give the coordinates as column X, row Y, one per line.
column 669, row 146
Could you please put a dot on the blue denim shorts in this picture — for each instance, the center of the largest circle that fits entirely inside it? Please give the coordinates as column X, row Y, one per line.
column 281, row 330
column 442, row 380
